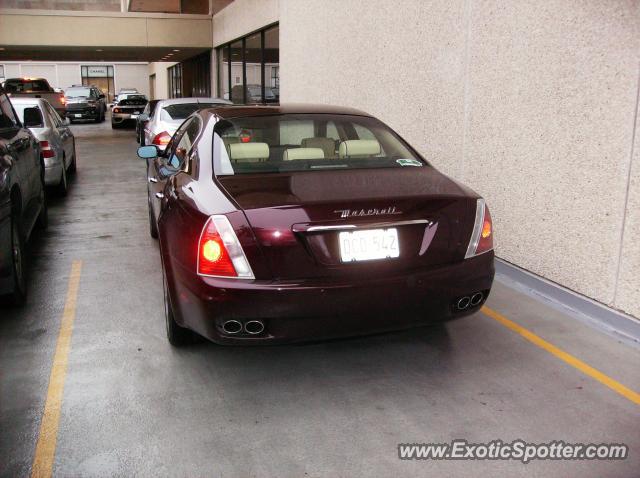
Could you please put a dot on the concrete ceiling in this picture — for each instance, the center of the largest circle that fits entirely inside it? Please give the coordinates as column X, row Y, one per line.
column 114, row 54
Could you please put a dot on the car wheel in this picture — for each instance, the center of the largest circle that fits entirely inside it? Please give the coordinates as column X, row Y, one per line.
column 177, row 336
column 153, row 227
column 73, row 167
column 43, row 218
column 63, row 186
column 19, row 293
column 142, row 138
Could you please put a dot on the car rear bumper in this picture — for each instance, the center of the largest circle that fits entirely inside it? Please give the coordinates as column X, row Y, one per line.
column 52, row 171
column 118, row 118
column 311, row 310
column 84, row 113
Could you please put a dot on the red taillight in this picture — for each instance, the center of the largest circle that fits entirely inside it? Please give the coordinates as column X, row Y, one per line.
column 161, row 139
column 482, row 236
column 46, row 150
column 116, row 110
column 219, row 251
column 486, row 233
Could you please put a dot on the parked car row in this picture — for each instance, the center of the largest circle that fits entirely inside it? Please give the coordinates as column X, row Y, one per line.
column 37, row 149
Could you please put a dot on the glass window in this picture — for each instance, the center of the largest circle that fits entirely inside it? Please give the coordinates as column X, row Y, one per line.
column 301, row 142
column 237, row 75
column 20, row 110
column 249, row 68
column 223, row 72
column 78, row 92
column 253, row 68
column 187, row 134
column 182, row 111
column 19, row 84
column 272, row 64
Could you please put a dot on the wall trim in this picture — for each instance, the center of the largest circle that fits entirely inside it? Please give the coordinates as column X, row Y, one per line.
column 574, row 304
column 99, row 14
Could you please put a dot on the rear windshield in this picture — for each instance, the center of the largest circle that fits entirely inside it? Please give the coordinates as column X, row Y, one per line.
column 78, row 92
column 307, row 142
column 134, row 100
column 21, row 107
column 181, row 111
column 19, row 85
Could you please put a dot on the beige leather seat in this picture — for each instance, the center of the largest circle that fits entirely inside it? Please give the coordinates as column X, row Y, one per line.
column 292, row 154
column 359, row 148
column 326, row 144
column 248, row 152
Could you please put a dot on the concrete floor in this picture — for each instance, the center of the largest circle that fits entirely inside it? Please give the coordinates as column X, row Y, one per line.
column 135, row 406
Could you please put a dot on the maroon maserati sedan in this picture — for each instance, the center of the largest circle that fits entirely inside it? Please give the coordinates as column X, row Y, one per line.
column 298, row 222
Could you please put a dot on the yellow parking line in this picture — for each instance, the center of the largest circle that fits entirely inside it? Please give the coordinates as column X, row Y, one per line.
column 564, row 356
column 46, row 446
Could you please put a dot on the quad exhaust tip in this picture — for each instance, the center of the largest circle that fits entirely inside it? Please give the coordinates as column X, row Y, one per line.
column 232, row 327
column 476, row 298
column 254, row 327
column 463, row 303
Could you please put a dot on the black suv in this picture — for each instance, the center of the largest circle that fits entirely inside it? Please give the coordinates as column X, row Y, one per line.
column 85, row 102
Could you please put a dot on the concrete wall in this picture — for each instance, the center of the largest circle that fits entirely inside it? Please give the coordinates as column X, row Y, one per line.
column 533, row 104
column 131, row 76
column 104, row 29
column 162, row 80
column 63, row 75
column 242, row 17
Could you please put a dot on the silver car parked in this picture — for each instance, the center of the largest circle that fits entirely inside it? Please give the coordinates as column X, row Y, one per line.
column 57, row 144
column 169, row 115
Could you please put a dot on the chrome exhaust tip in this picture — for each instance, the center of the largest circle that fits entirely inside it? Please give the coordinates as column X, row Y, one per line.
column 254, row 327
column 232, row 327
column 476, row 298
column 463, row 303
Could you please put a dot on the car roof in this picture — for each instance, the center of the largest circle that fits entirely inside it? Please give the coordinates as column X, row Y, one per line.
column 181, row 101
column 27, row 101
column 237, row 111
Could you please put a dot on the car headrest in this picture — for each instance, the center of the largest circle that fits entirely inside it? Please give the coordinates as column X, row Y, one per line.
column 359, row 147
column 302, row 153
column 327, row 144
column 248, row 151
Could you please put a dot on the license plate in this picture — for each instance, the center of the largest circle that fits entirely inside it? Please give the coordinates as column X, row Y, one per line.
column 77, row 115
column 133, row 116
column 369, row 245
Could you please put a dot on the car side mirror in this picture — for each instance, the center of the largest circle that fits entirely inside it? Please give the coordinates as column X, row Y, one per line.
column 148, row 152
column 33, row 118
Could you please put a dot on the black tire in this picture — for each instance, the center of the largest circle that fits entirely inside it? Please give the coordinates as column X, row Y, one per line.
column 177, row 336
column 63, row 186
column 73, row 166
column 142, row 139
column 18, row 296
column 153, row 226
column 43, row 218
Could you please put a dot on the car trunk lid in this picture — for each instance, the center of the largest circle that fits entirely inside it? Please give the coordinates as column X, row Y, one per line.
column 297, row 218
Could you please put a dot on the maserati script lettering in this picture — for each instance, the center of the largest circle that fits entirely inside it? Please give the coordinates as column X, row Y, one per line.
column 344, row 213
